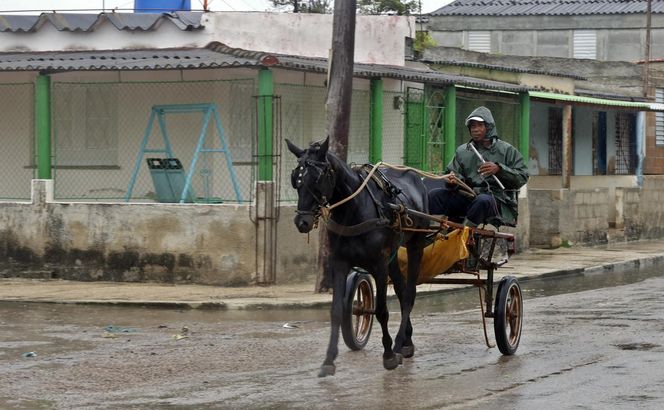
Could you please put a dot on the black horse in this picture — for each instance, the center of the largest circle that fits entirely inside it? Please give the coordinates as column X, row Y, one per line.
column 367, row 233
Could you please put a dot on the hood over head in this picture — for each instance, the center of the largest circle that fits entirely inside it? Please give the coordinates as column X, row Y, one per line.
column 485, row 114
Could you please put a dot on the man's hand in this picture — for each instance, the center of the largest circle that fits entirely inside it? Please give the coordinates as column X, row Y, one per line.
column 452, row 180
column 488, row 168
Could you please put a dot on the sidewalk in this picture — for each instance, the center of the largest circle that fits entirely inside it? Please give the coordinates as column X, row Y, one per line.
column 530, row 264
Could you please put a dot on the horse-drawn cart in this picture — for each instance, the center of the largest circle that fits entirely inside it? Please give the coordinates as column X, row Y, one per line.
column 473, row 253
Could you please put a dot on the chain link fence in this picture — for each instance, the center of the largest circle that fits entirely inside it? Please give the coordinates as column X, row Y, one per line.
column 98, row 129
column 17, row 157
column 305, row 121
column 506, row 112
column 393, row 127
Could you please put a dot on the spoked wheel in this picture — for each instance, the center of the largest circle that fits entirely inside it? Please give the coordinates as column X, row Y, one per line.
column 358, row 310
column 508, row 315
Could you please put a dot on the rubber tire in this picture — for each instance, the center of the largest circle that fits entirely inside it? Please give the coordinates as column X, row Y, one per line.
column 508, row 318
column 356, row 332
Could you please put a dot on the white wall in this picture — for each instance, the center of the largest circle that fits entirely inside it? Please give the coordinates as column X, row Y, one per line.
column 378, row 39
column 583, row 140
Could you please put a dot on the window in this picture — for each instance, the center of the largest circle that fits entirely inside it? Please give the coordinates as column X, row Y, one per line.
column 85, row 125
column 555, row 141
column 625, row 147
column 479, row 41
column 659, row 119
column 585, row 44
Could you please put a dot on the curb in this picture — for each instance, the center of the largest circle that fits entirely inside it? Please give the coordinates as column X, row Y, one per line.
column 237, row 304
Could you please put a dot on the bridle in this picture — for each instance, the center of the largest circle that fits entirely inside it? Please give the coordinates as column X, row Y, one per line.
column 325, row 178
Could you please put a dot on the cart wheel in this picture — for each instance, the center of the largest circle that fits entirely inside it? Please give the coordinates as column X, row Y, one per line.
column 358, row 310
column 508, row 315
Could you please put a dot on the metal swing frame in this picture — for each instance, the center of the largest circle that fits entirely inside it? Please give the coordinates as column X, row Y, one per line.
column 209, row 111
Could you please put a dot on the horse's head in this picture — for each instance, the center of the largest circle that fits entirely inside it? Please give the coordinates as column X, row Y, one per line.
column 313, row 178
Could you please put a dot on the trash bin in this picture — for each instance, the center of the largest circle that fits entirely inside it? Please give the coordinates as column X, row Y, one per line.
column 168, row 179
column 160, row 180
column 175, row 174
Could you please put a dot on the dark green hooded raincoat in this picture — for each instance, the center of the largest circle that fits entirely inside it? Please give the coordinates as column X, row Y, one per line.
column 513, row 171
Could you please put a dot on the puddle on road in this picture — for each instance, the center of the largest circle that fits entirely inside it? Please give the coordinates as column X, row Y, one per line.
column 457, row 300
column 464, row 299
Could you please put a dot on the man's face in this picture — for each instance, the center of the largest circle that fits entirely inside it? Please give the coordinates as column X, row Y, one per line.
column 477, row 130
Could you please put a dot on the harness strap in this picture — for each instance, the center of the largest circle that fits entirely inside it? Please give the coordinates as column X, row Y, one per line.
column 359, row 229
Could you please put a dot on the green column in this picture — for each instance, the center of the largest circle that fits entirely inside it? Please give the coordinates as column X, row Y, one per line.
column 265, row 122
column 43, row 125
column 376, row 126
column 450, row 124
column 524, row 134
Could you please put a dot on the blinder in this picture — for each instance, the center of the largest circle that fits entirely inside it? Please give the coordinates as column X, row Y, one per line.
column 323, row 177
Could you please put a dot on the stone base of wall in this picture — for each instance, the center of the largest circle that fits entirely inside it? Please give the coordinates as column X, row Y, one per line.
column 152, row 242
column 561, row 216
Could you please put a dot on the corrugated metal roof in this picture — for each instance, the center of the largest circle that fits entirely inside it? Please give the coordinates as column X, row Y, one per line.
column 577, row 99
column 546, row 7
column 184, row 20
column 153, row 59
column 217, row 55
column 501, row 68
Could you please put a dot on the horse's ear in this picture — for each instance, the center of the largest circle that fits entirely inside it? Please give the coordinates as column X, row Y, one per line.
column 324, row 147
column 294, row 149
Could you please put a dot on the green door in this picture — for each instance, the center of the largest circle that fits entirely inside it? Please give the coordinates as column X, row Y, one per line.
column 434, row 137
column 415, row 129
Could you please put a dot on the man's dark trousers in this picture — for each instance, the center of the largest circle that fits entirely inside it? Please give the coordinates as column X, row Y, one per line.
column 449, row 202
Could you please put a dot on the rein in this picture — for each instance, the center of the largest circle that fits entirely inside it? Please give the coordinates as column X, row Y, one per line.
column 325, row 210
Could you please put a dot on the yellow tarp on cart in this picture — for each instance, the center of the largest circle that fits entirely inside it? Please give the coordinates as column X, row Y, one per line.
column 438, row 257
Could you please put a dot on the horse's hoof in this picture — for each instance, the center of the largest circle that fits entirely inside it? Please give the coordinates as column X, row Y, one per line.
column 391, row 363
column 327, row 370
column 408, row 351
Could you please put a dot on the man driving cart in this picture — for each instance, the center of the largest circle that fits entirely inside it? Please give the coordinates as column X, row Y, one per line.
column 493, row 168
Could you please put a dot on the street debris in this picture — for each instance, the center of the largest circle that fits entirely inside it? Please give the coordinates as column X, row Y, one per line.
column 29, row 354
column 290, row 326
column 119, row 329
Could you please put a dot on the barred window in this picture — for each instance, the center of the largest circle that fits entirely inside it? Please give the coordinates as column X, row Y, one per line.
column 85, row 125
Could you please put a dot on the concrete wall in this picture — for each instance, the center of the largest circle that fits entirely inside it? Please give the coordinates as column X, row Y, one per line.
column 560, row 216
column 595, row 216
column 286, row 33
column 614, row 77
column 205, row 244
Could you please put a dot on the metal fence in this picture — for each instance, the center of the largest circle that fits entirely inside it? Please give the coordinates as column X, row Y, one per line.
column 506, row 113
column 305, row 121
column 17, row 157
column 98, row 129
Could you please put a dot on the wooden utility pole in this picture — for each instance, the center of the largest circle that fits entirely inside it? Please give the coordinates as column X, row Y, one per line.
column 338, row 104
column 340, row 87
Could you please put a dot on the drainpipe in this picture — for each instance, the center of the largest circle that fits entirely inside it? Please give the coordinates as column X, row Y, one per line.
column 524, row 134
column 265, row 129
column 640, row 145
column 449, row 126
column 376, row 124
column 567, row 146
column 43, row 125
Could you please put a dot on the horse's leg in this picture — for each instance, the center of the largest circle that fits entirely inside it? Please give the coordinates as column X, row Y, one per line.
column 415, row 250
column 408, row 349
column 390, row 360
column 339, row 271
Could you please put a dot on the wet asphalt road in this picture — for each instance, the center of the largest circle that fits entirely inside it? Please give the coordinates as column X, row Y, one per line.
column 594, row 349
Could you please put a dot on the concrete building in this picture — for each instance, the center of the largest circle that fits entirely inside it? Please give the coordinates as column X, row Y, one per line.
column 604, row 30
column 78, row 199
